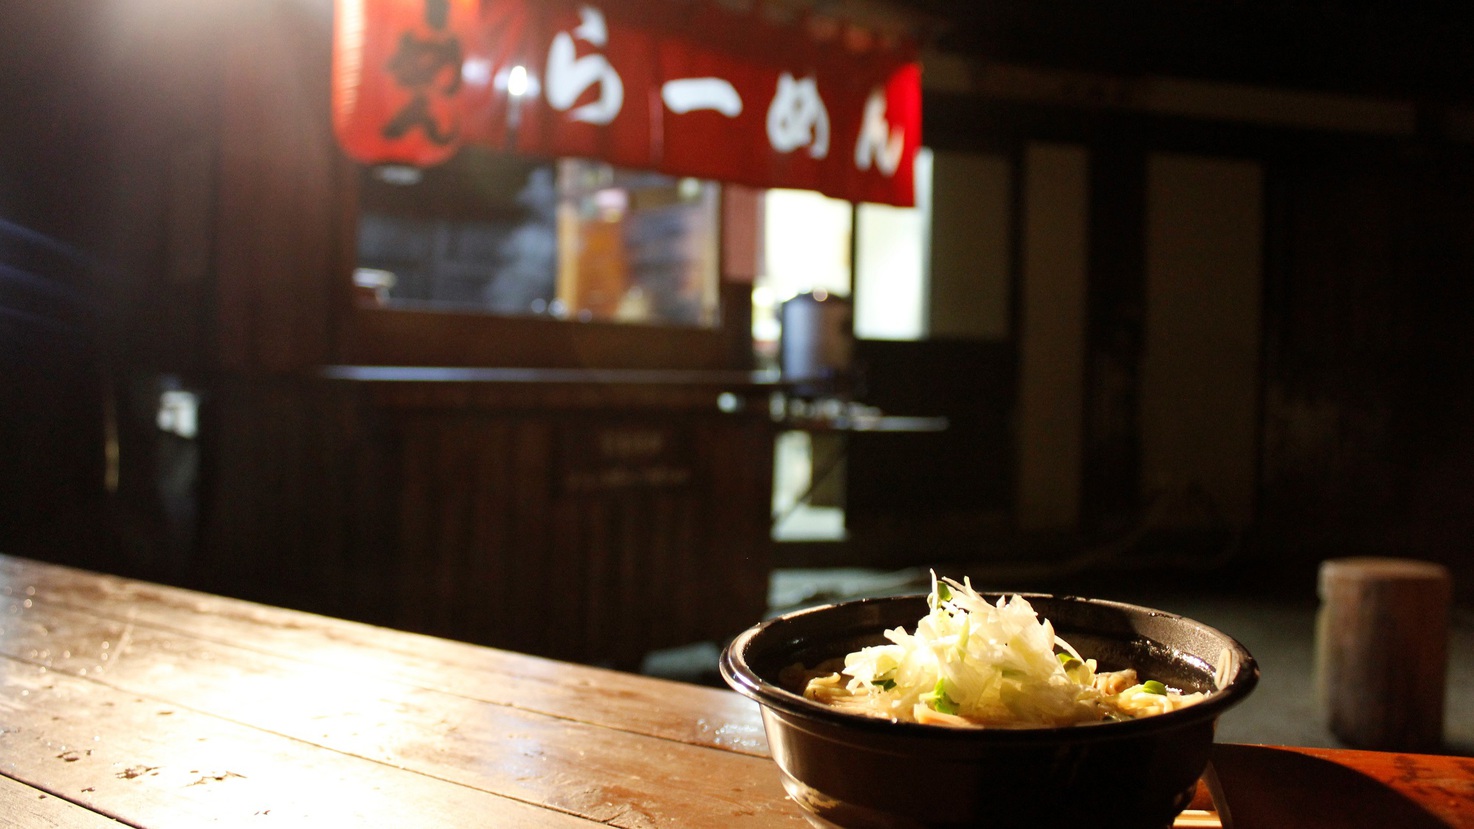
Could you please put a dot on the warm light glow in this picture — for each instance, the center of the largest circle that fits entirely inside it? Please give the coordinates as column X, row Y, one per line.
column 399, row 174
column 178, row 413
column 476, row 72
column 806, row 243
column 517, row 81
column 892, row 267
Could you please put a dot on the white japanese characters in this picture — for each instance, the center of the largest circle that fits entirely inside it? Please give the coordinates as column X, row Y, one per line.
column 879, row 143
column 690, row 94
column 797, row 116
column 568, row 75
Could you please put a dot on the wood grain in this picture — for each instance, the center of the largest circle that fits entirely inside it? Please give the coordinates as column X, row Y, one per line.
column 478, row 561
column 165, row 707
column 437, row 509
column 1311, row 788
column 676, row 711
column 407, row 337
column 32, row 808
column 153, row 763
column 311, row 698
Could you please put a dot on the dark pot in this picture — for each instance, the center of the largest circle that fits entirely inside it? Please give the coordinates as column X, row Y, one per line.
column 857, row 771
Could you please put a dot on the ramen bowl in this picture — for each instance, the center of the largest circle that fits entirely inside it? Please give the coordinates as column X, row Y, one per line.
column 846, row 769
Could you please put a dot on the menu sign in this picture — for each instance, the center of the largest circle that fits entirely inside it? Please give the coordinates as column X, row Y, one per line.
column 685, row 87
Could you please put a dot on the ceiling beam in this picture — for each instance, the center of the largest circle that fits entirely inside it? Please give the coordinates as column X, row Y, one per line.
column 1415, row 51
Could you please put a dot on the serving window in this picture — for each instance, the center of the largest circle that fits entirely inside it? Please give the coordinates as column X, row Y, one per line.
column 569, row 239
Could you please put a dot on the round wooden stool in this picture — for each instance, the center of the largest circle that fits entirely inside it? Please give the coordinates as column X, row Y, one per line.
column 1382, row 651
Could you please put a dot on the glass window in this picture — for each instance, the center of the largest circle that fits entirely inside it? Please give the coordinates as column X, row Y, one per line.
column 806, row 243
column 566, row 239
column 636, row 247
column 892, row 264
column 805, row 247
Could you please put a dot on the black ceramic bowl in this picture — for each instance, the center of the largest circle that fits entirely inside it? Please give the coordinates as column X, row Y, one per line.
column 855, row 771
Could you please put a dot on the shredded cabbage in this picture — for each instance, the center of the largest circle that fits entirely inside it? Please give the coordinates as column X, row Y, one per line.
column 971, row 663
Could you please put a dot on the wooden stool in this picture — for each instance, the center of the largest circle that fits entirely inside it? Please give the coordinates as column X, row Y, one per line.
column 1382, row 651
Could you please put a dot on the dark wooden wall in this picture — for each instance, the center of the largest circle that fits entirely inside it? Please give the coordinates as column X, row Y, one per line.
column 1367, row 376
column 591, row 527
column 588, row 521
column 53, row 398
column 911, row 497
column 54, row 405
column 1369, row 386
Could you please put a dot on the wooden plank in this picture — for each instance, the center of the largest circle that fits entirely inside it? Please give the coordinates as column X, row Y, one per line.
column 479, row 567
column 23, row 805
column 657, row 576
column 488, row 597
column 567, row 554
column 281, row 190
column 415, row 500
column 685, row 570
column 1314, row 788
column 602, row 774
column 154, row 764
column 290, row 534
column 594, row 558
column 375, row 336
column 738, row 555
column 529, row 508
column 453, row 475
column 670, row 710
column 633, row 532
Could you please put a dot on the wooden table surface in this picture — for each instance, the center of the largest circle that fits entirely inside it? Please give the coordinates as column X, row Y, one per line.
column 133, row 703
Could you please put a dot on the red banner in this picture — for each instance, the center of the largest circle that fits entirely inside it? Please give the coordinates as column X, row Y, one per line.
column 680, row 86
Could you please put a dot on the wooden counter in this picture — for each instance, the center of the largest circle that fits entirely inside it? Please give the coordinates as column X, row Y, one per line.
column 160, row 707
column 471, row 503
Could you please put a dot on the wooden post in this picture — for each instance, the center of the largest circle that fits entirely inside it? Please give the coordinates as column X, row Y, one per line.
column 1382, row 651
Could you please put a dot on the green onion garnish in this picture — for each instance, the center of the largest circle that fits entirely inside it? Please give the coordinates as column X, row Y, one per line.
column 940, row 701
